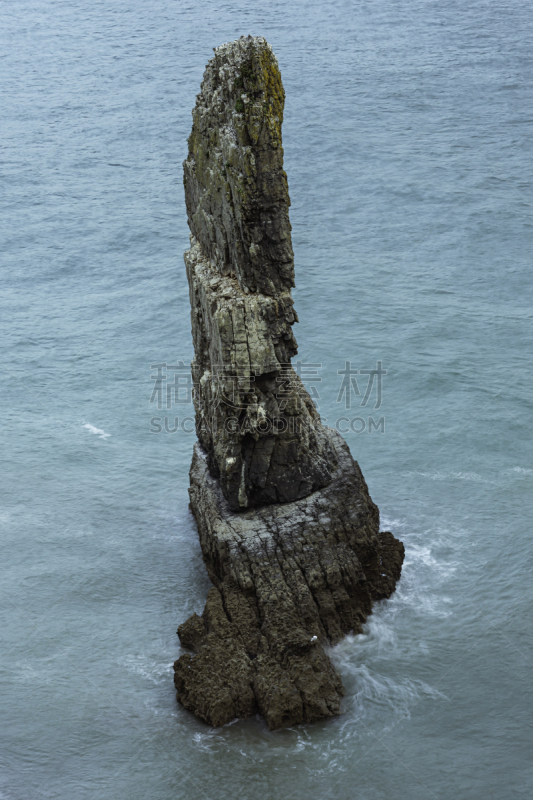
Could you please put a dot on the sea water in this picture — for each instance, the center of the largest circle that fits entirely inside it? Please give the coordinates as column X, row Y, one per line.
column 408, row 148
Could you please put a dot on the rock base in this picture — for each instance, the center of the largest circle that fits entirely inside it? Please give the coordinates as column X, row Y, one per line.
column 287, row 580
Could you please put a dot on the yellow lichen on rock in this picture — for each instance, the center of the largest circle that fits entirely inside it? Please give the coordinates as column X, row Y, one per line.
column 275, row 94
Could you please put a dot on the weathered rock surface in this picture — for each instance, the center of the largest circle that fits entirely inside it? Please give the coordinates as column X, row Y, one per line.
column 288, row 531
column 236, row 190
column 259, row 427
column 263, row 436
column 288, row 578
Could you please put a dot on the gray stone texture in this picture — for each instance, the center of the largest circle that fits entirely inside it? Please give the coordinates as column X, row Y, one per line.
column 289, row 534
column 263, row 436
column 288, row 579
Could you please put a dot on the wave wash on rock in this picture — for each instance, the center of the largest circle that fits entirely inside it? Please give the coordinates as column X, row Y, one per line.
column 288, row 531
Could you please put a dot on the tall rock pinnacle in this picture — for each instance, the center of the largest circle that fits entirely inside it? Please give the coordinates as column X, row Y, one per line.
column 263, row 437
column 289, row 534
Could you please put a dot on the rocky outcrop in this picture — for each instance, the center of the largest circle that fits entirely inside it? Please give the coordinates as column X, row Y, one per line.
column 288, row 531
column 263, row 437
column 288, row 579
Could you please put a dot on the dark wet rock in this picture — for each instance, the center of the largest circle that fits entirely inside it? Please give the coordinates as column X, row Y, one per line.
column 288, row 579
column 289, row 534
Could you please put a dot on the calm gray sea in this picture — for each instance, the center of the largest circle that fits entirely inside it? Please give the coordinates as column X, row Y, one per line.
column 408, row 147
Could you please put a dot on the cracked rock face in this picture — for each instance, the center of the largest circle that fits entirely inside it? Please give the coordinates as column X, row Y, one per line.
column 235, row 187
column 258, row 425
column 287, row 579
column 289, row 534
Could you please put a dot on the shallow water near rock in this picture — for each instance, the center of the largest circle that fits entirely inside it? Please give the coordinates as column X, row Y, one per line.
column 407, row 138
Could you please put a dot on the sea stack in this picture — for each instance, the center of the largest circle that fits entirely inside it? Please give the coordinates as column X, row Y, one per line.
column 289, row 534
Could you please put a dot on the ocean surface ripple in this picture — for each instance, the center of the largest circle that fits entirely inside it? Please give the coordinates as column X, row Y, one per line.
column 408, row 147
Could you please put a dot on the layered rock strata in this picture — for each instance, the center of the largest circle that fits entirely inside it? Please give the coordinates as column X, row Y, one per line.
column 288, row 531
column 263, row 436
